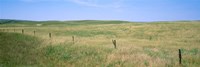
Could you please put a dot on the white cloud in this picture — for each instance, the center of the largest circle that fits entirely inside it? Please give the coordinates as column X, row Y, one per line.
column 90, row 3
column 99, row 3
column 27, row 0
column 40, row 0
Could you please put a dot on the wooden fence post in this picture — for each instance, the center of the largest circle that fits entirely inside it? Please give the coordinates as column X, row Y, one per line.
column 34, row 32
column 73, row 39
column 49, row 35
column 22, row 31
column 114, row 43
column 180, row 56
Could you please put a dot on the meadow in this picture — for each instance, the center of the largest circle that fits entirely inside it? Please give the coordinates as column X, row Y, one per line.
column 138, row 44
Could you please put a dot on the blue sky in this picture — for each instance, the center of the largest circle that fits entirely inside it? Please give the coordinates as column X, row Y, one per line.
column 129, row 10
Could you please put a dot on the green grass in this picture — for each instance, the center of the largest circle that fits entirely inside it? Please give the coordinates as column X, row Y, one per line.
column 88, row 33
column 81, row 55
column 18, row 50
column 152, row 44
column 21, row 23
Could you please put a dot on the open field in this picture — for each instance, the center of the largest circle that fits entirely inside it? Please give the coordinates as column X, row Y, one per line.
column 152, row 44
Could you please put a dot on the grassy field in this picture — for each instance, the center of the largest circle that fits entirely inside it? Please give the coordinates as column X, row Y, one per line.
column 152, row 44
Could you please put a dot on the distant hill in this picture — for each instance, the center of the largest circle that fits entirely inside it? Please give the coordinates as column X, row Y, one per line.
column 3, row 21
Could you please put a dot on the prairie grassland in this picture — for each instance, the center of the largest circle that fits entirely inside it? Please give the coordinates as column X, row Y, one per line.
column 138, row 44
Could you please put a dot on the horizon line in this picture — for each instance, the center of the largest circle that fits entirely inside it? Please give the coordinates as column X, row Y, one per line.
column 102, row 20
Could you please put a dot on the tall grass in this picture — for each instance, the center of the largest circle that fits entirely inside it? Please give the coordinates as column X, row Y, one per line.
column 18, row 50
column 138, row 44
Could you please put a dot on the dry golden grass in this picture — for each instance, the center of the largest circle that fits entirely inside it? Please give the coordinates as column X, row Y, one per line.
column 138, row 44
